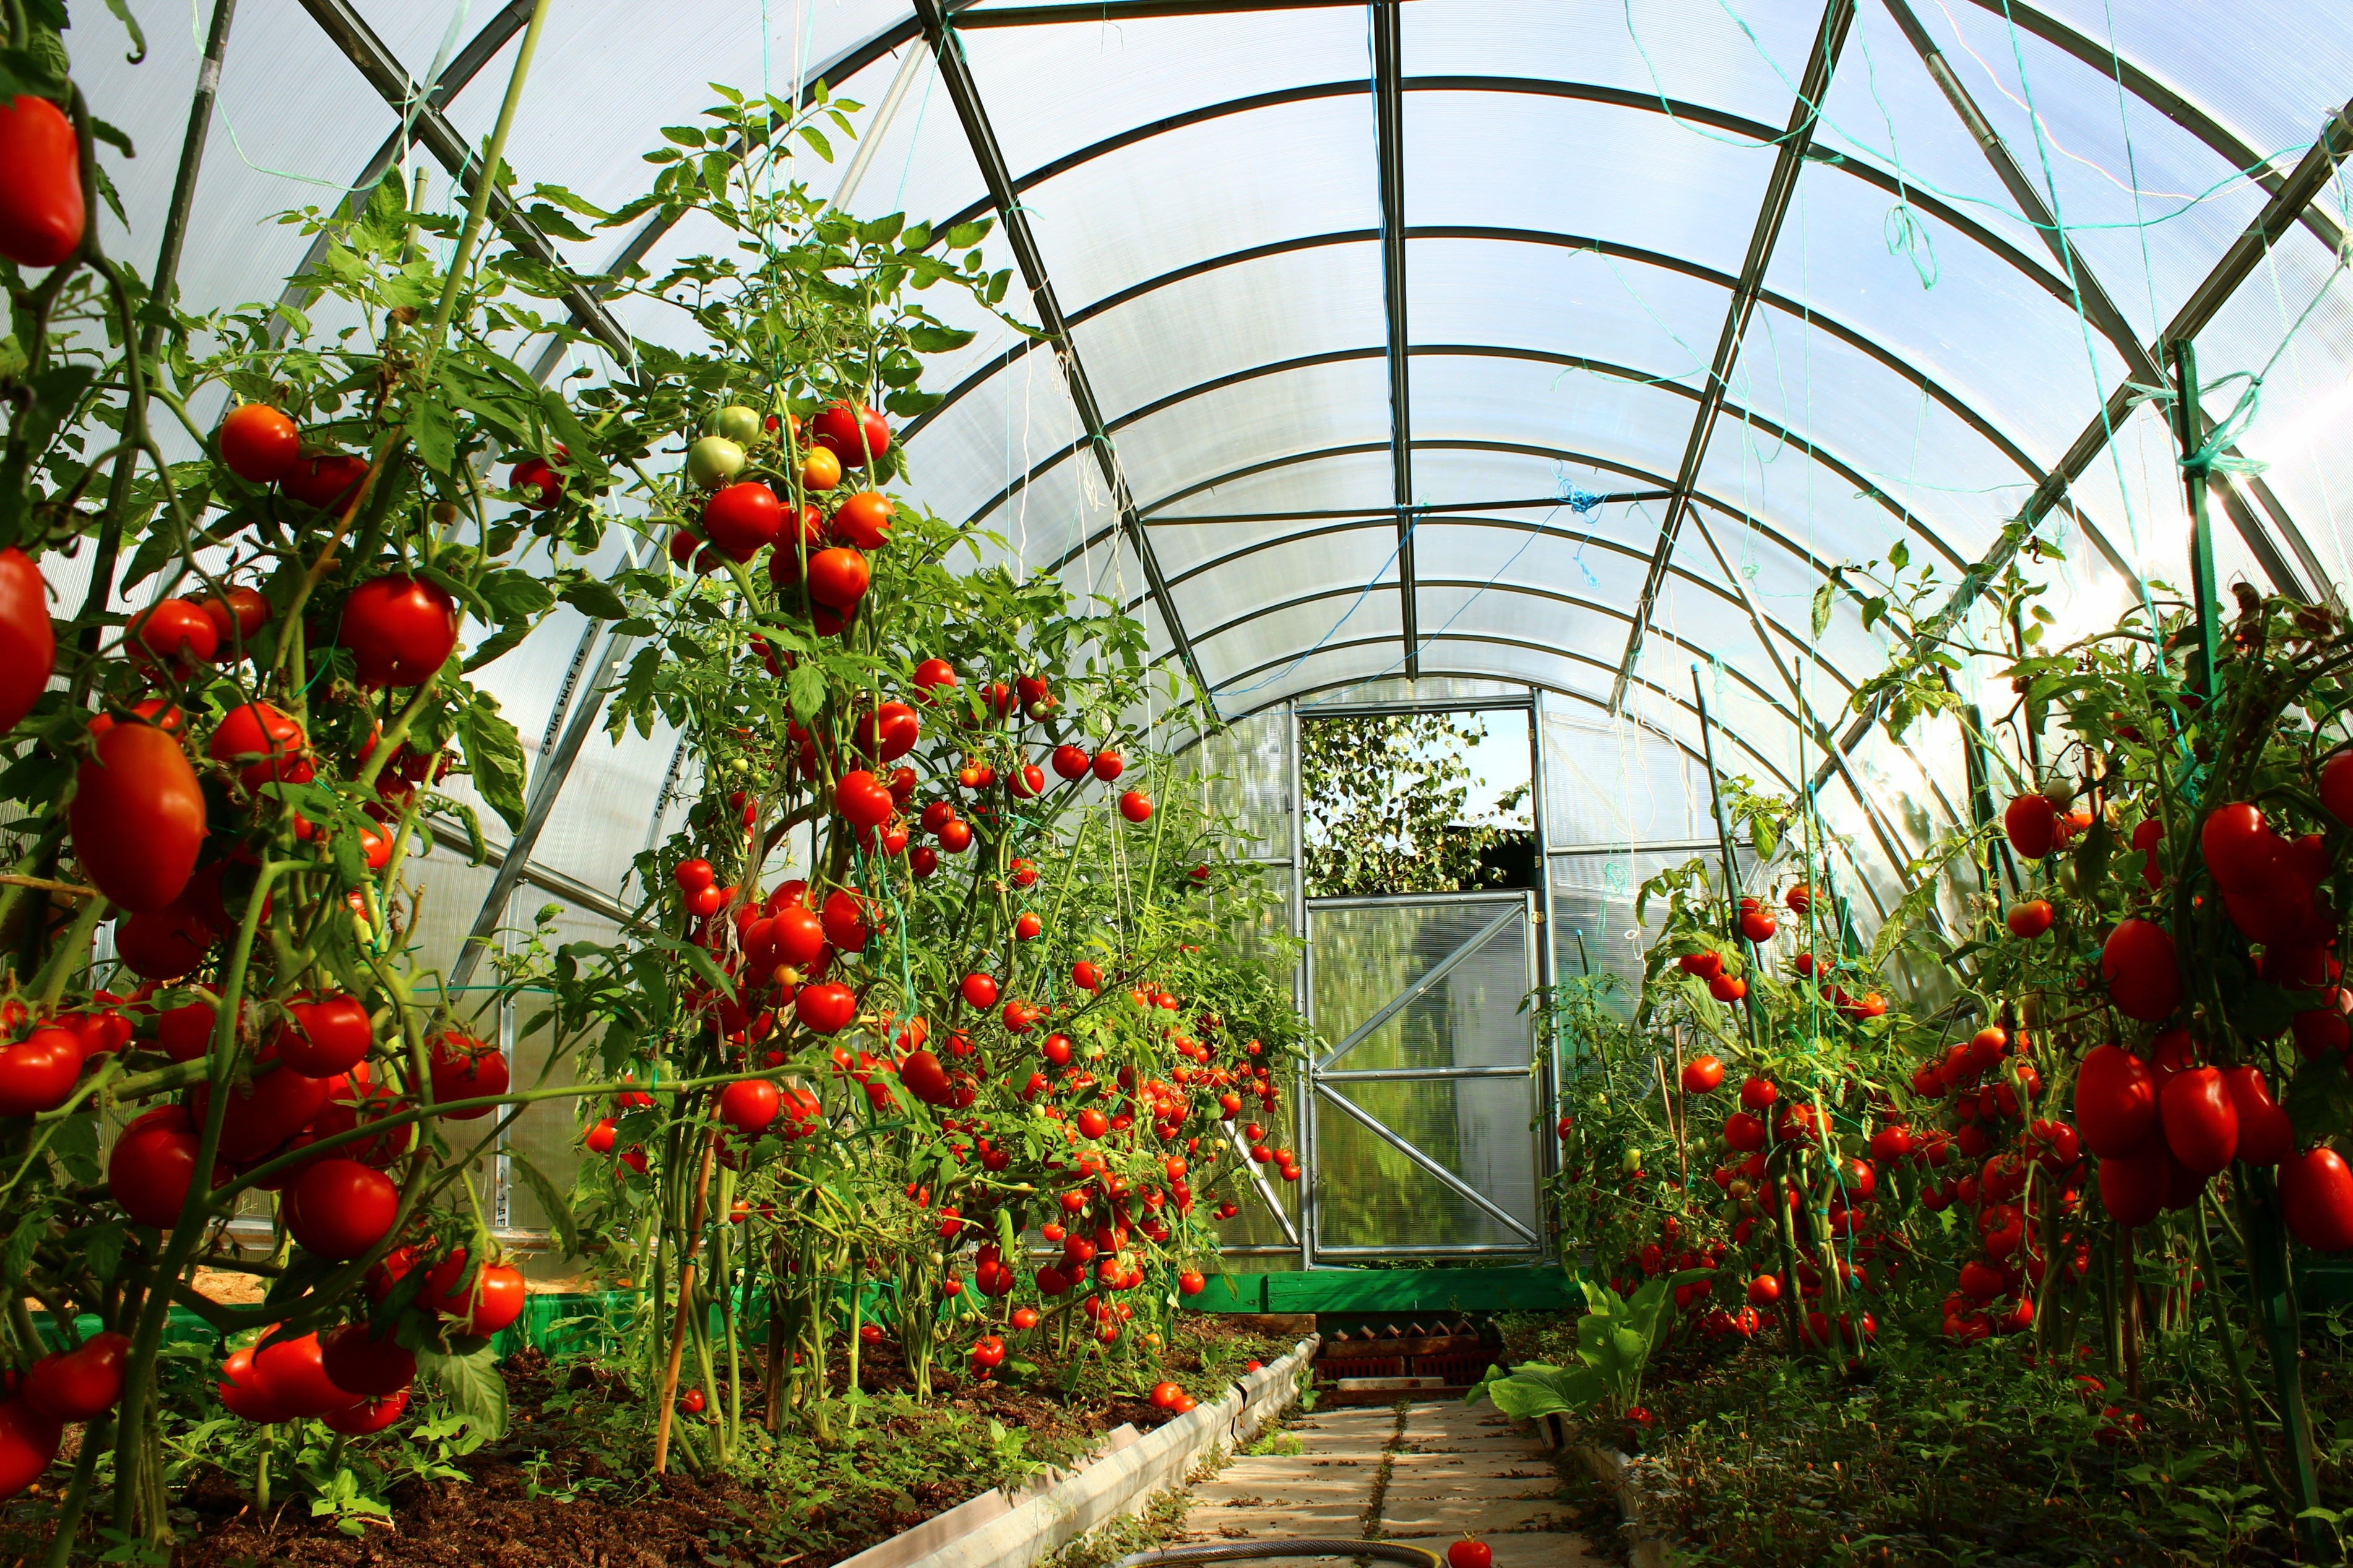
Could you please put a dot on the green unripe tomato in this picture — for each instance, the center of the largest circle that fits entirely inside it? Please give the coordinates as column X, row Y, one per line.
column 738, row 767
column 713, row 461
column 738, row 424
column 1632, row 1161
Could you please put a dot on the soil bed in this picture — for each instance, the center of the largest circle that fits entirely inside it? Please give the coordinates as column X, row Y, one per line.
column 568, row 1484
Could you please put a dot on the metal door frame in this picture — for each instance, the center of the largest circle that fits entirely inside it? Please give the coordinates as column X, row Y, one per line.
column 1527, row 903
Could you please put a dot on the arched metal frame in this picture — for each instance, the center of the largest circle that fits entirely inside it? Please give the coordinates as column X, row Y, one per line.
column 2291, row 201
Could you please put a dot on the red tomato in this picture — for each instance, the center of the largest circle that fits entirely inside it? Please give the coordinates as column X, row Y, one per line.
column 400, row 630
column 692, row 876
column 175, row 632
column 294, row 1377
column 1728, row 987
column 41, row 210
column 1092, row 1124
column 360, row 1363
column 1703, row 1074
column 2138, row 963
column 368, row 1415
column 244, row 1392
column 1469, row 1553
column 260, row 732
column 2265, row 1136
column 925, row 1078
column 864, row 520
column 826, row 1009
column 28, row 1440
column 1135, row 806
column 2134, row 1187
column 749, row 1105
column 863, row 799
column 853, row 434
column 259, row 442
column 2201, row 1121
column 1086, row 976
column 487, row 1302
column 1028, row 927
column 340, row 1208
column 980, row 991
column 988, row 1354
column 798, row 935
column 1069, row 762
column 2029, row 919
column 152, row 1165
column 138, row 817
column 327, row 482
column 2336, row 786
column 839, row 577
column 2032, row 824
column 79, row 1385
column 2240, row 848
column 164, row 944
column 325, row 1036
column 466, row 1068
column 28, row 644
column 2317, row 1197
column 743, row 517
column 933, row 674
column 1107, row 765
column 242, row 614
column 39, row 1072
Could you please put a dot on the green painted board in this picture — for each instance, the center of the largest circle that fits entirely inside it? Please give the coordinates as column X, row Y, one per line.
column 1391, row 1290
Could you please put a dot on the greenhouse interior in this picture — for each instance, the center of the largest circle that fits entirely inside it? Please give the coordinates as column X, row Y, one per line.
column 957, row 784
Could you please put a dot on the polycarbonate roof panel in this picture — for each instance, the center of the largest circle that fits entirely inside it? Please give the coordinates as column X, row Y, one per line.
column 2107, row 162
column 1744, row 60
column 1278, row 642
column 2272, row 96
column 1110, row 77
column 1466, row 476
column 1316, row 564
column 1252, row 421
column 1339, row 482
column 1984, row 329
column 1234, row 320
column 1557, row 410
column 1590, row 557
column 1812, row 504
column 1892, row 431
column 1206, row 190
column 1563, row 166
column 1564, row 301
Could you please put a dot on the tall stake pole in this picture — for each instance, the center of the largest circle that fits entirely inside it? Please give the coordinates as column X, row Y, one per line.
column 2188, row 429
column 1776, row 1207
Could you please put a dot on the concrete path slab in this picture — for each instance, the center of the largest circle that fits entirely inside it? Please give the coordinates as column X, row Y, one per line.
column 1438, row 1470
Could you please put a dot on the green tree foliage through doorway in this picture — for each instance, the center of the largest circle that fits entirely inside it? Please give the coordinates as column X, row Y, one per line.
column 1385, row 797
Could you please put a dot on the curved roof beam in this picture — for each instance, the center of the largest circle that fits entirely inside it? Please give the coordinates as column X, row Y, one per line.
column 1572, row 601
column 1584, row 92
column 1942, row 395
column 1657, row 484
column 1505, row 525
column 1836, row 465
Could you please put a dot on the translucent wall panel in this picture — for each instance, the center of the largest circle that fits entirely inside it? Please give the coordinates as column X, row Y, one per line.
column 1632, row 176
column 1741, row 61
column 1817, row 508
column 547, row 1134
column 1594, row 930
column 1250, row 767
column 1107, row 76
column 1233, row 319
column 1275, row 640
column 1339, row 565
column 1614, row 783
column 1311, row 670
column 1145, row 209
column 1565, row 300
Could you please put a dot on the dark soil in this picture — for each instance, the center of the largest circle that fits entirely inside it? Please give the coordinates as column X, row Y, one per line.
column 566, row 1485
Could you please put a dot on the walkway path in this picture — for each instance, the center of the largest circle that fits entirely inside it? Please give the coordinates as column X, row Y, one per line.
column 1425, row 1473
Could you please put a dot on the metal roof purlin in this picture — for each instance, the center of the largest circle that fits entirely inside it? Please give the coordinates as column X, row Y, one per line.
column 1388, row 123
column 956, row 75
column 384, row 72
column 2311, row 175
column 1788, row 162
column 2091, row 298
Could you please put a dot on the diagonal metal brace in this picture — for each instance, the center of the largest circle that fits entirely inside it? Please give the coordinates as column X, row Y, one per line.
column 1455, row 1184
column 1435, row 973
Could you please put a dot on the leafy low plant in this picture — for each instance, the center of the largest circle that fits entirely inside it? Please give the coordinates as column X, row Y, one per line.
column 1615, row 1340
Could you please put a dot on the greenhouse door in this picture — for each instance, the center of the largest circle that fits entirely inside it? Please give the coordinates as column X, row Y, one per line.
column 1420, row 1116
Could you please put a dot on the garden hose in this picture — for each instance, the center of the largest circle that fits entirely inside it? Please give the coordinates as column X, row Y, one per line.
column 1248, row 1551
